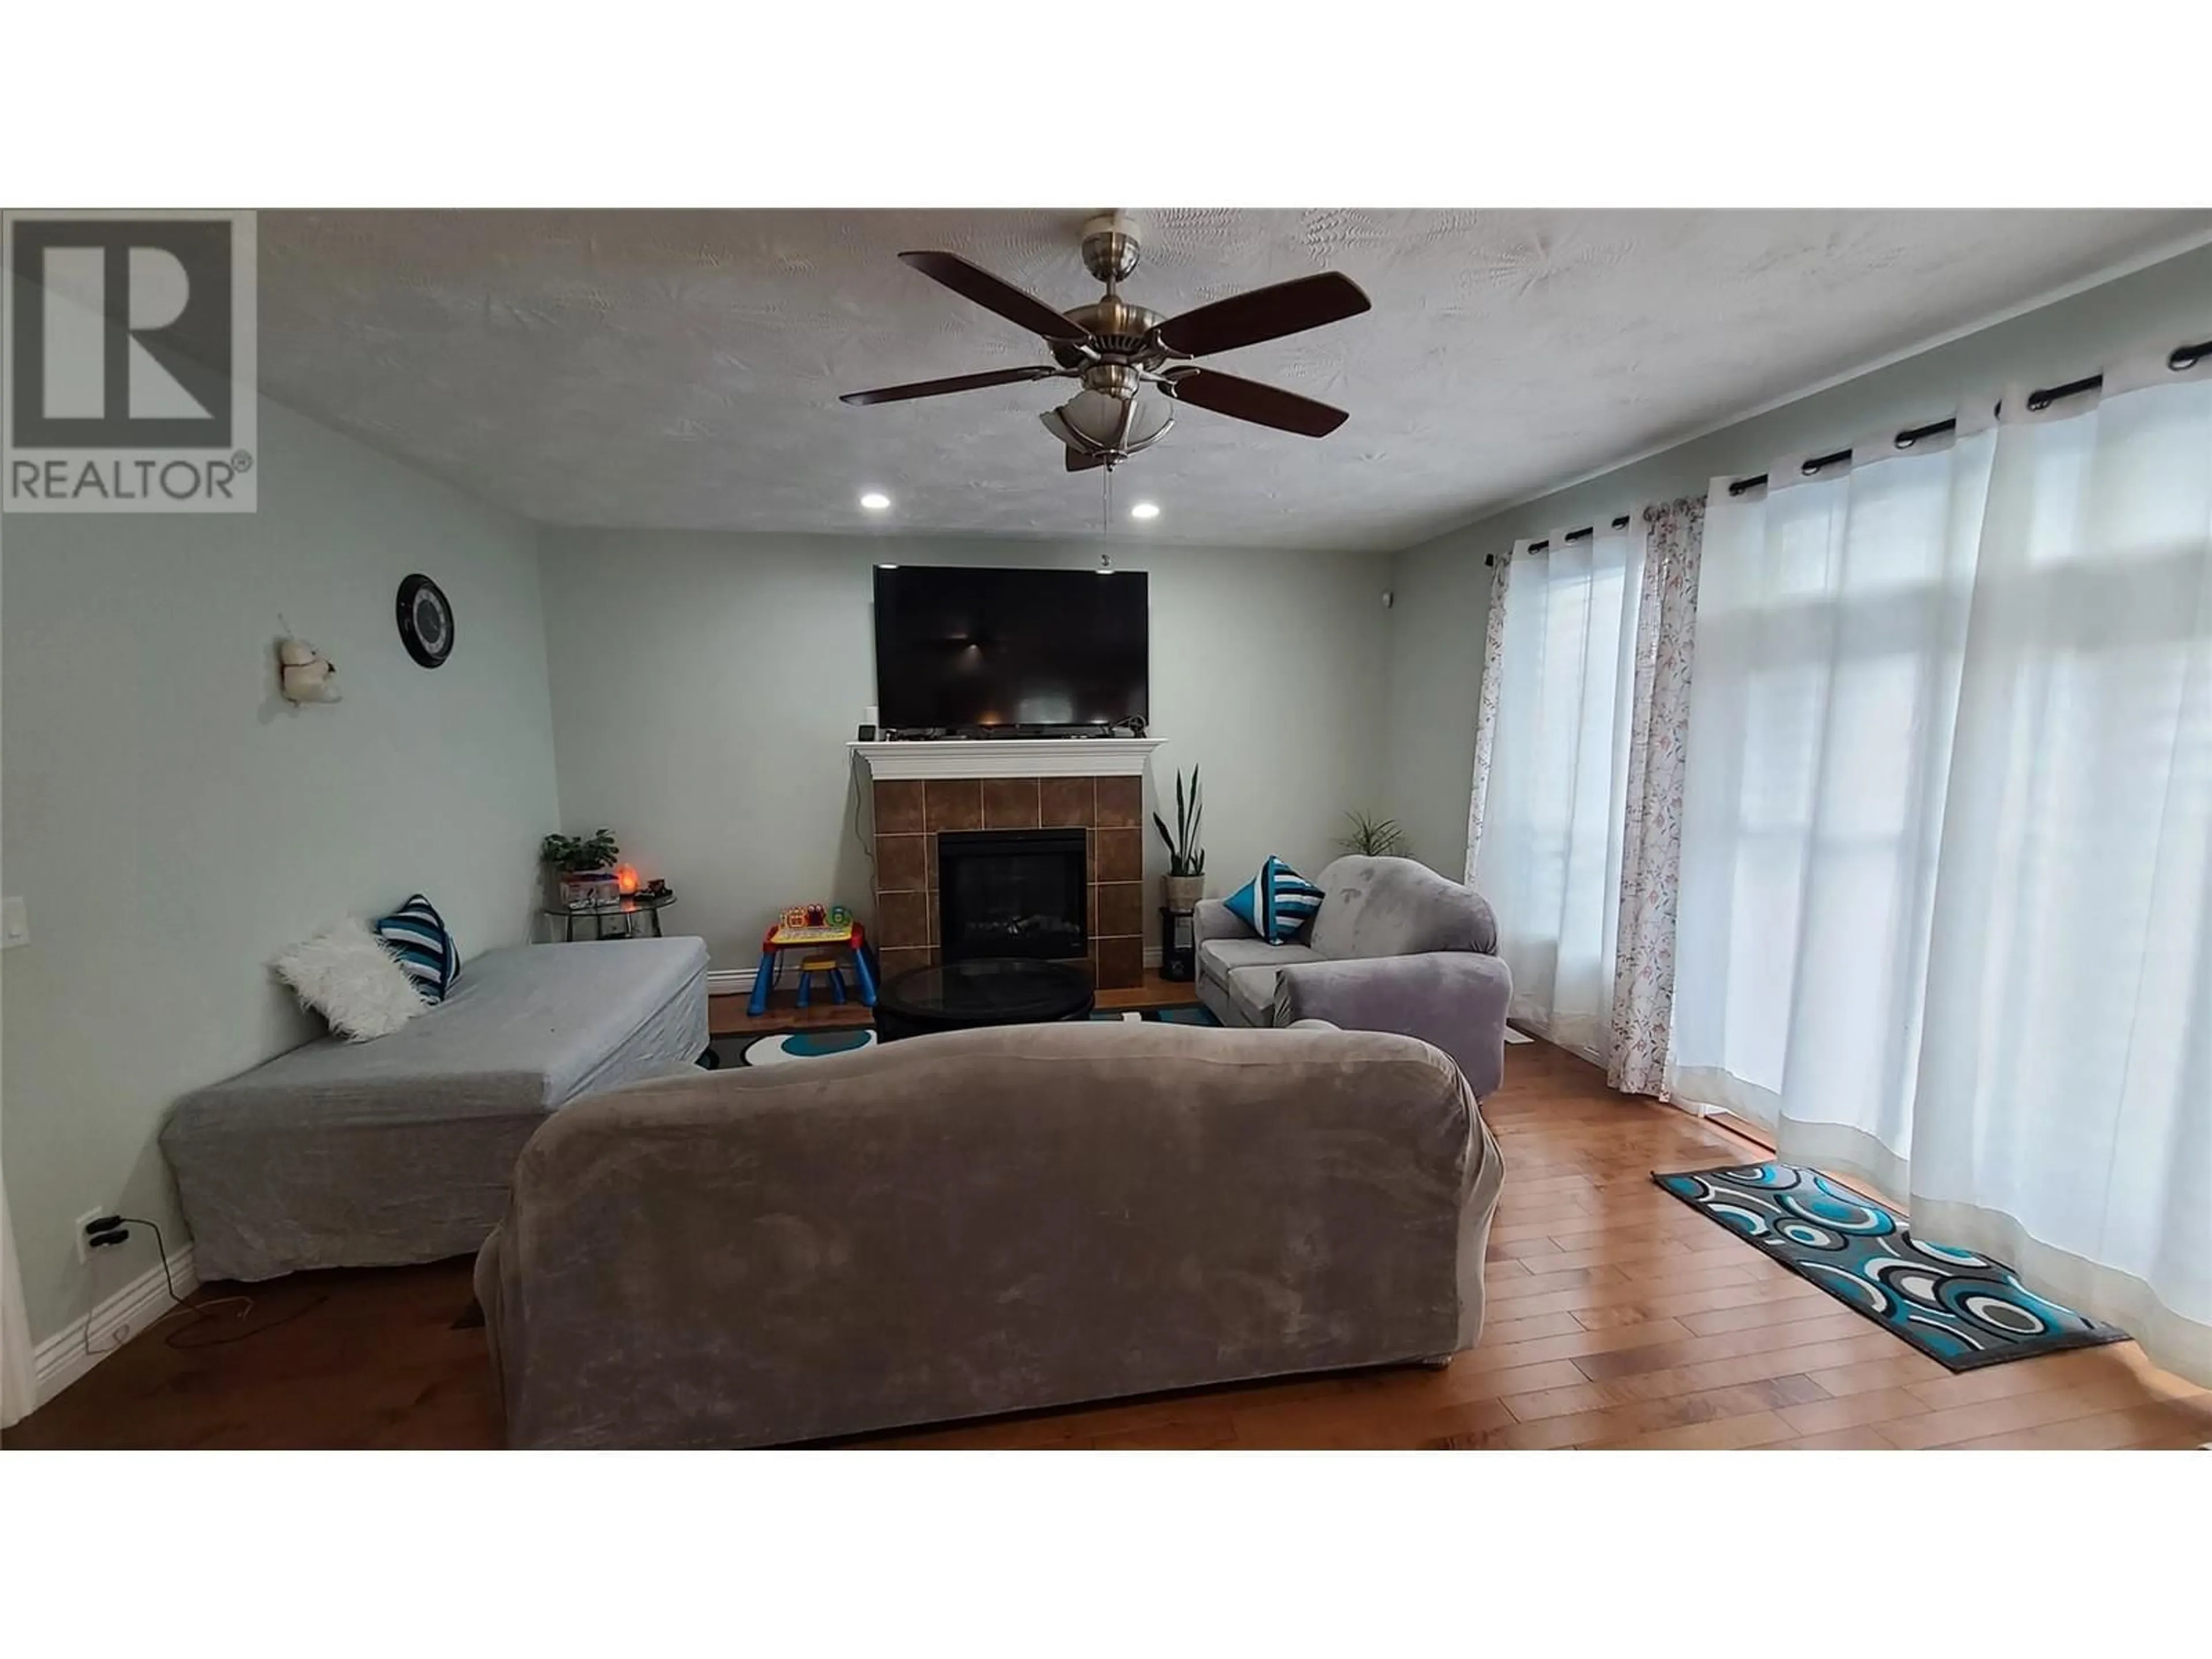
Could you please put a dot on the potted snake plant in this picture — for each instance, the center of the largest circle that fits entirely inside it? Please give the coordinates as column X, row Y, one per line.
column 1185, row 882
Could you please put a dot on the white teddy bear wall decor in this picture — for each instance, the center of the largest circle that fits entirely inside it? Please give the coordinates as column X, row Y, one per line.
column 307, row 675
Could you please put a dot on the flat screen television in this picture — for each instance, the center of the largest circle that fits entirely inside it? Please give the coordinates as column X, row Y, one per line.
column 963, row 648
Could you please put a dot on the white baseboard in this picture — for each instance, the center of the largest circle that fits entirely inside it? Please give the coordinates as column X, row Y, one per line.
column 61, row 1358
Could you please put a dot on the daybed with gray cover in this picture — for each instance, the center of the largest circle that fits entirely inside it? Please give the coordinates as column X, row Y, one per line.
column 402, row 1149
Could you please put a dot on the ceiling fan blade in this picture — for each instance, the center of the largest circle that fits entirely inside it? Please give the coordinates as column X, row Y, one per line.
column 1080, row 462
column 892, row 394
column 1265, row 313
column 972, row 282
column 1249, row 400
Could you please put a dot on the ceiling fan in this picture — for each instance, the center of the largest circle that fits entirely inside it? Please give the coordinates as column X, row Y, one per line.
column 1116, row 349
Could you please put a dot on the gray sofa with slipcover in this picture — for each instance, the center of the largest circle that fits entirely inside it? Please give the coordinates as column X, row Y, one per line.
column 399, row 1149
column 1393, row 947
column 982, row 1221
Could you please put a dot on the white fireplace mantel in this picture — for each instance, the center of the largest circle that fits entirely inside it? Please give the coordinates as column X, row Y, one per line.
column 1008, row 757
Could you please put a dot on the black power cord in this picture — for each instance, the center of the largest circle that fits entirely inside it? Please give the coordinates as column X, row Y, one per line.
column 104, row 1231
column 175, row 1339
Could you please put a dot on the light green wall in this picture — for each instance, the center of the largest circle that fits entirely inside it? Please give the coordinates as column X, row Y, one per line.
column 705, row 687
column 173, row 824
column 1443, row 587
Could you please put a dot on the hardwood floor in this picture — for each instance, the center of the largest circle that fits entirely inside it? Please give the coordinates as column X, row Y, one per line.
column 1617, row 1317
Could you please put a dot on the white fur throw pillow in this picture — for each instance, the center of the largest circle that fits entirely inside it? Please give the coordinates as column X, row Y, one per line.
column 345, row 975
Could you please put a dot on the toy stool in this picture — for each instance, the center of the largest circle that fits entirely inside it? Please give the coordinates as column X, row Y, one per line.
column 828, row 966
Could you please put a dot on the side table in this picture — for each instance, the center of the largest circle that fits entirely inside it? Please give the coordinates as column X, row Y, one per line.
column 629, row 909
column 1178, row 944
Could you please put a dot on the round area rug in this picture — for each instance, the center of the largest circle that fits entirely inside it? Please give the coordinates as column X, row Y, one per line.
column 781, row 1048
column 787, row 1046
column 1189, row 1014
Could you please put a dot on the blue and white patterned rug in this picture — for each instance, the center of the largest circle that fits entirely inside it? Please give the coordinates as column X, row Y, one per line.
column 1192, row 1014
column 1961, row 1309
column 781, row 1048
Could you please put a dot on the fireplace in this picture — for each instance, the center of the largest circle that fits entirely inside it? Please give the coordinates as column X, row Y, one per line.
column 1013, row 893
column 909, row 818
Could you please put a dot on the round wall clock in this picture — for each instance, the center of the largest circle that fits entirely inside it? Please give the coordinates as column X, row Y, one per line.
column 426, row 621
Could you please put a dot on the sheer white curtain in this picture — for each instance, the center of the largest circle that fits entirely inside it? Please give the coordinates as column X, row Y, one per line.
column 1948, row 841
column 1831, row 623
column 2065, row 1113
column 1548, row 856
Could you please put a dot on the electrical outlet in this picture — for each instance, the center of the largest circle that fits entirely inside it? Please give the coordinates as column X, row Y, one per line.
column 84, row 1251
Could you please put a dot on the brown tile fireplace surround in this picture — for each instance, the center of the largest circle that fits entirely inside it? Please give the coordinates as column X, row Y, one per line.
column 911, row 812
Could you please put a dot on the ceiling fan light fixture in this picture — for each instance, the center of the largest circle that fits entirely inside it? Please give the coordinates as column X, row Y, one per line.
column 1096, row 424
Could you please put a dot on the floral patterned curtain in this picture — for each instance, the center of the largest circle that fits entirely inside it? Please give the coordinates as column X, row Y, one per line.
column 1651, row 847
column 1486, row 718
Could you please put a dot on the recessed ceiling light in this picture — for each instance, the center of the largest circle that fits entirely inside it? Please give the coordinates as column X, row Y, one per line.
column 876, row 501
column 1145, row 510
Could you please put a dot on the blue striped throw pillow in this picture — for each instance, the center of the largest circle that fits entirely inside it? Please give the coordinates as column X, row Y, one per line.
column 1278, row 904
column 419, row 936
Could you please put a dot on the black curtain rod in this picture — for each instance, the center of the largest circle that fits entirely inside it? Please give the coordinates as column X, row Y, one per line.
column 2180, row 358
column 1582, row 535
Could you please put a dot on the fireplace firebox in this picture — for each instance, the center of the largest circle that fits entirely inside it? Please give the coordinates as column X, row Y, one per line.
column 1012, row 893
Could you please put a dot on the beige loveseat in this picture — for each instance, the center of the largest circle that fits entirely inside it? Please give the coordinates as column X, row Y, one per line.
column 984, row 1222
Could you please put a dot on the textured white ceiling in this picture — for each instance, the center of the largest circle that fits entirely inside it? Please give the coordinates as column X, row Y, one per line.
column 680, row 369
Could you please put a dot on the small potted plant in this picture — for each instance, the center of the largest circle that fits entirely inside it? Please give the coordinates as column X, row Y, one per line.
column 1185, row 883
column 583, row 866
column 1376, row 837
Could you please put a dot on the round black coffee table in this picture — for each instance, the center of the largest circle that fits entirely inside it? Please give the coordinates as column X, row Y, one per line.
column 958, row 996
